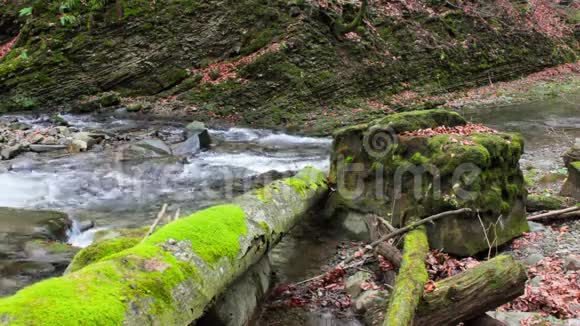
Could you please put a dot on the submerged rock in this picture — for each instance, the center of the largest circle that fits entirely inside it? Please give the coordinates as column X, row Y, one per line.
column 383, row 167
column 145, row 149
column 11, row 152
column 34, row 224
column 46, row 148
column 32, row 246
column 354, row 282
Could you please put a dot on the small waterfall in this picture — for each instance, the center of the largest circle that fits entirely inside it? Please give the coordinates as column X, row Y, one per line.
column 79, row 238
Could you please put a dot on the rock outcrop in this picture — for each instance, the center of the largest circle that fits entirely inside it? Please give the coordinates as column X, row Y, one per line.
column 269, row 63
column 399, row 167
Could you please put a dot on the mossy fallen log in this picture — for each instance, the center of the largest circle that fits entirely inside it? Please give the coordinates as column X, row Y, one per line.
column 410, row 280
column 472, row 293
column 172, row 276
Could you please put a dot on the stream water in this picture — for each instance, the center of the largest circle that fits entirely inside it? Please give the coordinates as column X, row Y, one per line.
column 119, row 194
column 96, row 186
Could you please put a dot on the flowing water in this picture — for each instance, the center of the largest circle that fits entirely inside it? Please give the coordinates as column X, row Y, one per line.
column 97, row 186
column 118, row 194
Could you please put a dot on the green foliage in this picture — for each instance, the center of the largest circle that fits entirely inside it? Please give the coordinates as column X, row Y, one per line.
column 25, row 11
column 69, row 20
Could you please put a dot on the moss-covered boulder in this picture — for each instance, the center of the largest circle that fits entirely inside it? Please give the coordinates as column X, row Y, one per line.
column 385, row 168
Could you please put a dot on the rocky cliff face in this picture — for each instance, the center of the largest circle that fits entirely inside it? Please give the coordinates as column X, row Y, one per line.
column 271, row 62
column 408, row 166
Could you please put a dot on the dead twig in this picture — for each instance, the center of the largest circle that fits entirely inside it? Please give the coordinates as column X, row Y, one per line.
column 385, row 223
column 406, row 229
column 553, row 214
column 157, row 220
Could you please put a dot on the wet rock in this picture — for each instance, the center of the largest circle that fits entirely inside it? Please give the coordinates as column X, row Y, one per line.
column 36, row 138
column 536, row 281
column 85, row 137
column 355, row 225
column 86, row 225
column 238, row 305
column 77, row 146
column 572, row 154
column 20, row 126
column 369, row 299
column 354, row 282
column 572, row 263
column 171, row 135
column 109, row 234
column 536, row 227
column 513, row 318
column 109, row 99
column 187, row 148
column 571, row 157
column 198, row 129
column 53, row 251
column 63, row 131
column 535, row 203
column 11, row 152
column 533, row 259
column 34, row 224
column 46, row 148
column 145, row 149
column 58, row 120
column 571, row 186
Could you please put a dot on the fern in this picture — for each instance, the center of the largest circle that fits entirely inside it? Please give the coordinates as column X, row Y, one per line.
column 25, row 11
column 68, row 20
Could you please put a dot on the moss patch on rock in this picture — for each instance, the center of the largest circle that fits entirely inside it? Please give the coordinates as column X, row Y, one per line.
column 417, row 176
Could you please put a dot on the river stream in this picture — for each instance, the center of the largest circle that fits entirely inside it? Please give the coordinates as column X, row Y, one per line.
column 96, row 186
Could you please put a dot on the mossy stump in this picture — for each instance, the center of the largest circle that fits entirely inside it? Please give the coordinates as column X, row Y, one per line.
column 377, row 168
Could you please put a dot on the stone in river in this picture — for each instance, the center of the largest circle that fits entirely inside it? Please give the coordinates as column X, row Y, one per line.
column 11, row 152
column 46, row 148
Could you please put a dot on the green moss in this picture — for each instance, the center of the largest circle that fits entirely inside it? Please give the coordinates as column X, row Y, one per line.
column 541, row 202
column 416, row 120
column 265, row 194
column 576, row 165
column 52, row 247
column 264, row 227
column 214, row 232
column 307, row 179
column 413, row 276
column 56, row 301
column 100, row 250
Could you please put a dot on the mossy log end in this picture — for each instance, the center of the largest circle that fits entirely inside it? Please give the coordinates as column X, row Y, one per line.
column 473, row 292
column 172, row 276
column 410, row 280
